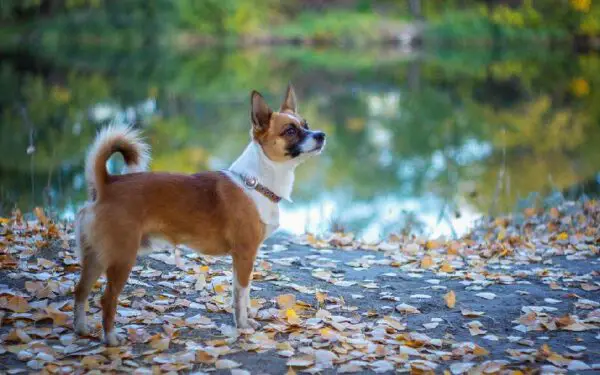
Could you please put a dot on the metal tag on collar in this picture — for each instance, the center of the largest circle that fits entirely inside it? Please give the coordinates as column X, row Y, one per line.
column 250, row 182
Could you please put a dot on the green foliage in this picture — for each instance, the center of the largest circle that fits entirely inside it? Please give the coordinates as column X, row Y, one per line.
column 530, row 21
column 333, row 25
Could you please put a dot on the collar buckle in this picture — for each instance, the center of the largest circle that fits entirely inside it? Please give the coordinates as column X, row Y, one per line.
column 250, row 182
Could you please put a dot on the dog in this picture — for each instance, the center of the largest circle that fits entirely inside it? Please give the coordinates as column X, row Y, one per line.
column 229, row 212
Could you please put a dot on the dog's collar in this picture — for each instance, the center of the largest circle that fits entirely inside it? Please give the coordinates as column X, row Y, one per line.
column 251, row 183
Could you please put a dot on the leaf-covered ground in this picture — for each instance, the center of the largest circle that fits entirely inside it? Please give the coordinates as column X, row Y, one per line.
column 515, row 296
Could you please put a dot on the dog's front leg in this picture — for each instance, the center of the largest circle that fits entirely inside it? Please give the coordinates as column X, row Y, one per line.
column 242, row 277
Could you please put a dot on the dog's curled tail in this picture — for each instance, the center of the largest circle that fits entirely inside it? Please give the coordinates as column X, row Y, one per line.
column 112, row 139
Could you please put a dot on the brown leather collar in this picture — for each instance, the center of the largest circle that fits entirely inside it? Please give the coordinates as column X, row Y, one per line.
column 251, row 183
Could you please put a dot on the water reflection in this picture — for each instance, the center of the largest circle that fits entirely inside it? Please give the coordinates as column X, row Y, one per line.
column 422, row 145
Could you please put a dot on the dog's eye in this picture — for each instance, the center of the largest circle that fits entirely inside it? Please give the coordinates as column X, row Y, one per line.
column 305, row 125
column 290, row 131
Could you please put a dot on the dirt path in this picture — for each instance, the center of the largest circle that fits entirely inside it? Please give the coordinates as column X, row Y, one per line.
column 323, row 309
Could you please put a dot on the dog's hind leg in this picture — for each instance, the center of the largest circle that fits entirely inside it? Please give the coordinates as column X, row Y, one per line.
column 91, row 269
column 116, row 275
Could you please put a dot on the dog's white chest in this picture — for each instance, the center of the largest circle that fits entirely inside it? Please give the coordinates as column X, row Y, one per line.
column 268, row 211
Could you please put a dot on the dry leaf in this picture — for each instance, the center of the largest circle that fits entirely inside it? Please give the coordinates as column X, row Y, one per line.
column 300, row 362
column 225, row 364
column 292, row 317
column 426, row 262
column 446, row 267
column 450, row 299
column 17, row 304
column 286, row 301
column 486, row 295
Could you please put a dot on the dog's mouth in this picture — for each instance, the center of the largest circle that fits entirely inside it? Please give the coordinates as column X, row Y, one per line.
column 318, row 148
column 308, row 147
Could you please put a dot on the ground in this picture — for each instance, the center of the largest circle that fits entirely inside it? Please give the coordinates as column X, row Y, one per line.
column 514, row 296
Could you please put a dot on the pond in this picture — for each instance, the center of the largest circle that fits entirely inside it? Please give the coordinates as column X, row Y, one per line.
column 419, row 141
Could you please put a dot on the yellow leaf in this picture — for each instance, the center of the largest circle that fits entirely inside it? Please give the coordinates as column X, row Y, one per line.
column 220, row 288
column 453, row 248
column 320, row 297
column 502, row 235
column 292, row 317
column 286, row 301
column 446, row 267
column 204, row 269
column 562, row 237
column 450, row 298
column 4, row 220
column 327, row 334
column 431, row 245
column 426, row 262
column 480, row 352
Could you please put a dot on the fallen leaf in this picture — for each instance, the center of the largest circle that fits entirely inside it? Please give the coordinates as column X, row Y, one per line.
column 486, row 295
column 446, row 267
column 225, row 364
column 17, row 304
column 461, row 367
column 300, row 362
column 292, row 317
column 407, row 309
column 286, row 301
column 394, row 323
column 589, row 287
column 471, row 314
column 450, row 299
column 426, row 262
column 159, row 342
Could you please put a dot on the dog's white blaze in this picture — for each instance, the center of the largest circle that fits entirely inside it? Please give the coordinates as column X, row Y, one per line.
column 290, row 116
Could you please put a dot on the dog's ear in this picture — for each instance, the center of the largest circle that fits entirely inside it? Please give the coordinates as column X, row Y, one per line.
column 289, row 103
column 261, row 113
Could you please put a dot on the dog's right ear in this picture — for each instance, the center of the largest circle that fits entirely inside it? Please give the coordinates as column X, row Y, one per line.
column 261, row 113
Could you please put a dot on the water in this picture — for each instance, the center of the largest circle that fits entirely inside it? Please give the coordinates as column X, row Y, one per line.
column 423, row 142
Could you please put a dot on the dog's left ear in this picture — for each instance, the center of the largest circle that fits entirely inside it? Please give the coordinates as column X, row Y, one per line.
column 260, row 113
column 289, row 103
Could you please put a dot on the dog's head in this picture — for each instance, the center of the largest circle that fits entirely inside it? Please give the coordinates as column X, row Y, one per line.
column 284, row 135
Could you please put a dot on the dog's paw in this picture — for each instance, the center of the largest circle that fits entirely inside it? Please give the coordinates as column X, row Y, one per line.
column 80, row 326
column 81, row 329
column 248, row 326
column 254, row 324
column 112, row 338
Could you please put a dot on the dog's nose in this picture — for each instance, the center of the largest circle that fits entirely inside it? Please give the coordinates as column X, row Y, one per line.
column 319, row 137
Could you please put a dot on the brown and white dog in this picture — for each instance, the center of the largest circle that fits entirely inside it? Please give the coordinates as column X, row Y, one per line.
column 216, row 213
